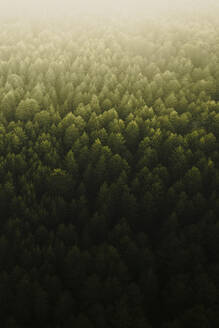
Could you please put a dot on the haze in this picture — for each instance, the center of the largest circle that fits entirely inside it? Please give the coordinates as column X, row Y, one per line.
column 62, row 8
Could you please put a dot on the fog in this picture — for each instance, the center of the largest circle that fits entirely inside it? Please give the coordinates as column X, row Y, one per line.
column 63, row 8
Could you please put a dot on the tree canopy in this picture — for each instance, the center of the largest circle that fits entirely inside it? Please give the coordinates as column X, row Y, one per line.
column 109, row 174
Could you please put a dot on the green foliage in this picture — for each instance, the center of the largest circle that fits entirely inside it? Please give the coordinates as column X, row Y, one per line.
column 109, row 174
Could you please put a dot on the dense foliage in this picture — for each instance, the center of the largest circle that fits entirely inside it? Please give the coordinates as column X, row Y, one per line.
column 109, row 174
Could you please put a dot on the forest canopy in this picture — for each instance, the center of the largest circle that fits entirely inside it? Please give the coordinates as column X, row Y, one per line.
column 109, row 169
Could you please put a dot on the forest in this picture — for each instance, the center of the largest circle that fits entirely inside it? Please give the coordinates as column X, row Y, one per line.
column 109, row 173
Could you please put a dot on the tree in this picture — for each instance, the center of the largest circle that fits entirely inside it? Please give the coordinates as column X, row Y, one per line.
column 27, row 109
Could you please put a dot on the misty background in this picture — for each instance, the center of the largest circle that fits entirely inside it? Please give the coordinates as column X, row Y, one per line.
column 42, row 9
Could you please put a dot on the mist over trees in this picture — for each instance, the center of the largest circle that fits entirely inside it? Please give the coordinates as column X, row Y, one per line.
column 109, row 173
column 50, row 9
